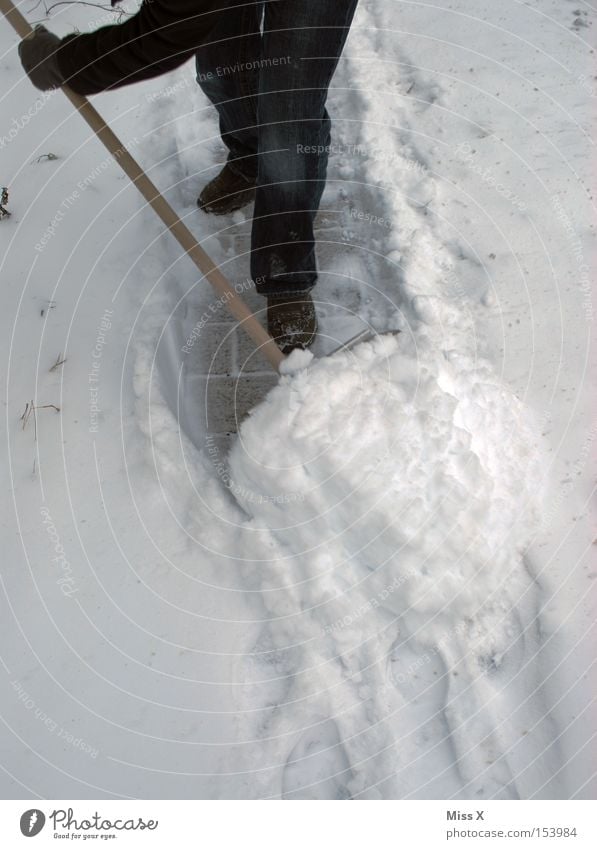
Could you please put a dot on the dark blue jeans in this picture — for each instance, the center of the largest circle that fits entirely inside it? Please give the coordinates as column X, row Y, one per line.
column 267, row 69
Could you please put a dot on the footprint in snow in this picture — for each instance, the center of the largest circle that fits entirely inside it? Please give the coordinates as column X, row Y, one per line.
column 317, row 767
column 506, row 652
column 429, row 768
column 420, row 674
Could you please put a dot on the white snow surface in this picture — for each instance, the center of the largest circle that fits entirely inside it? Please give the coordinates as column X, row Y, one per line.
column 387, row 589
column 390, row 458
column 296, row 361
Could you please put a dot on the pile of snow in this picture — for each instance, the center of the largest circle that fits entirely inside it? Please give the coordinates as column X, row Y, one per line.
column 399, row 465
column 395, row 487
column 296, row 361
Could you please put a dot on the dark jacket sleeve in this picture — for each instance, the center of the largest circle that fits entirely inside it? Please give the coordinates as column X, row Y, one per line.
column 160, row 37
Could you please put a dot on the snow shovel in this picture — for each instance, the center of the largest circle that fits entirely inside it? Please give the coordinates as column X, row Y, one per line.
column 262, row 341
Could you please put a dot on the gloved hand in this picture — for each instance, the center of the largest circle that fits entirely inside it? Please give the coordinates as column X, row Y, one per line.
column 38, row 53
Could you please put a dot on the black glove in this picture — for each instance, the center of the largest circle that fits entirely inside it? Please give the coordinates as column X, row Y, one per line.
column 38, row 54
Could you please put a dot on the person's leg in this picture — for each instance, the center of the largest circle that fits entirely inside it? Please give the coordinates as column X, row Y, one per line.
column 228, row 72
column 301, row 45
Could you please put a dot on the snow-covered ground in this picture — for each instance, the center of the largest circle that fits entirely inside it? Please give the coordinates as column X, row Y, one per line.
column 387, row 590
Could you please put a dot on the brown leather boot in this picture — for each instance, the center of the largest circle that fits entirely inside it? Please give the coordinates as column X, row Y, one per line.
column 226, row 193
column 291, row 320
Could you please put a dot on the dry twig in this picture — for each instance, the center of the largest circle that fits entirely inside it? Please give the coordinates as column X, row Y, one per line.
column 58, row 362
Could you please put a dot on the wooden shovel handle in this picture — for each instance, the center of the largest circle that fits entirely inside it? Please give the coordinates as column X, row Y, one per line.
column 179, row 230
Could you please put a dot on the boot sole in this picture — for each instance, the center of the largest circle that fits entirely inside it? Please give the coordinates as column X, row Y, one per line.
column 286, row 349
column 214, row 208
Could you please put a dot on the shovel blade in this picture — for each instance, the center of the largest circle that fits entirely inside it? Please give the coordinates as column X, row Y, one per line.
column 365, row 335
